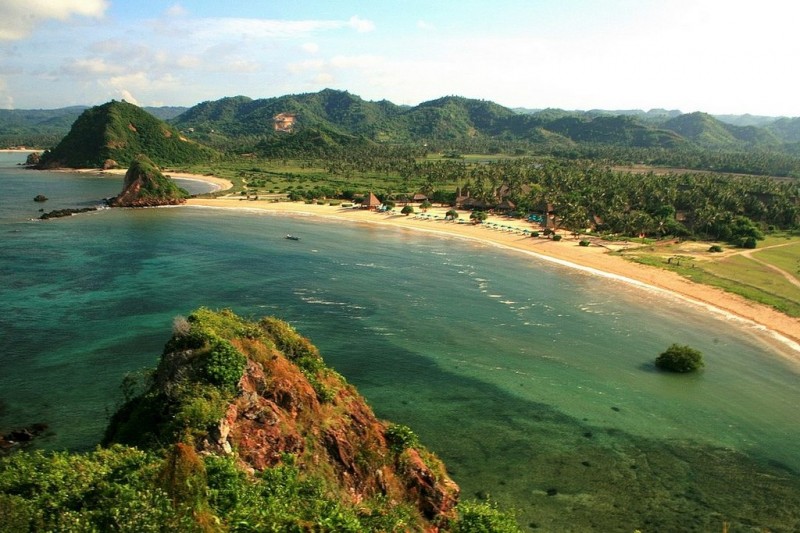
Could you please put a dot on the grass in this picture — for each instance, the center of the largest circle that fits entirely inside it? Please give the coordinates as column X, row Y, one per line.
column 735, row 272
column 264, row 177
column 787, row 258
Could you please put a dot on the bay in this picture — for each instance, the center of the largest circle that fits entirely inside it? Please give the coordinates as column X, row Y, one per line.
column 533, row 382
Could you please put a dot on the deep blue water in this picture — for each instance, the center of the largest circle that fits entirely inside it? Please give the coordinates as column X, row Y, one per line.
column 517, row 372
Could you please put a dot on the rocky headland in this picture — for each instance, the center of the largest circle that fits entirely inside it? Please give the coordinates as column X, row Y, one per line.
column 146, row 186
column 260, row 395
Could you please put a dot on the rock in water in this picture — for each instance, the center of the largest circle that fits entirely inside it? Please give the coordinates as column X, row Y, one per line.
column 146, row 186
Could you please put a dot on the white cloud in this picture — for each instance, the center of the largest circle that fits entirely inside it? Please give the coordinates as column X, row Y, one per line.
column 259, row 29
column 426, row 26
column 302, row 66
column 128, row 97
column 361, row 25
column 323, row 78
column 311, row 48
column 18, row 18
column 356, row 62
column 6, row 100
column 176, row 10
column 91, row 66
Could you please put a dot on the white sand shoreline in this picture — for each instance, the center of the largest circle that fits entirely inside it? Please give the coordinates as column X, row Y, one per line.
column 781, row 329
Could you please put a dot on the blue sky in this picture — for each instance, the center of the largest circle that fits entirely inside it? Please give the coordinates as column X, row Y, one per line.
column 717, row 56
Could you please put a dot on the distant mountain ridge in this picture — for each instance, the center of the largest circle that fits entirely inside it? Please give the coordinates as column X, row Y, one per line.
column 339, row 118
column 455, row 118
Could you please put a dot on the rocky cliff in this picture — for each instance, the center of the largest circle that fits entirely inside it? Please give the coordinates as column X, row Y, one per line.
column 146, row 186
column 260, row 394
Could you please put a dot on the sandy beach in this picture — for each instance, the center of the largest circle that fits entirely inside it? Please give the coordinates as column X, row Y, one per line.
column 218, row 183
column 594, row 259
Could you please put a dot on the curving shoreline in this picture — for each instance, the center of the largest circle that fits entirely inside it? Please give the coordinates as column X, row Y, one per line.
column 220, row 184
column 595, row 260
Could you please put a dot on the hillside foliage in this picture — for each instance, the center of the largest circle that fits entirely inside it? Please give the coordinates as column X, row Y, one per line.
column 120, row 131
column 331, row 120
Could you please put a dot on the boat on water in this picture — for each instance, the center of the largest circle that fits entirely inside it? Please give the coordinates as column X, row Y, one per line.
column 293, row 237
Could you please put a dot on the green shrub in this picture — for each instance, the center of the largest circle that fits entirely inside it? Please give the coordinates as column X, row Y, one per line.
column 224, row 365
column 478, row 216
column 534, row 234
column 400, row 437
column 556, row 237
column 747, row 242
column 201, row 407
column 678, row 358
column 106, row 490
column 483, row 517
column 584, row 243
column 296, row 347
column 715, row 248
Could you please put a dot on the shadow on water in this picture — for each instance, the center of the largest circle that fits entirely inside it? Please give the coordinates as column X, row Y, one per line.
column 566, row 474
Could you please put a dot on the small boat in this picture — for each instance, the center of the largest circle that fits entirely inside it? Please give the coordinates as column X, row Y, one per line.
column 293, row 238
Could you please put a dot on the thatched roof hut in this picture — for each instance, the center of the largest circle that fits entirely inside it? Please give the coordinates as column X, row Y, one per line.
column 371, row 202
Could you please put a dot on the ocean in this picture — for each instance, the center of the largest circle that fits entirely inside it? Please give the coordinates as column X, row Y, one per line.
column 534, row 382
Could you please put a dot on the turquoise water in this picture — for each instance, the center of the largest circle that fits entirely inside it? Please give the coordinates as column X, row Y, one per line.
column 525, row 377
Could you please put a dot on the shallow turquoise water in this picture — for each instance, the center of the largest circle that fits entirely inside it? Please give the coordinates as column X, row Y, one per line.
column 522, row 375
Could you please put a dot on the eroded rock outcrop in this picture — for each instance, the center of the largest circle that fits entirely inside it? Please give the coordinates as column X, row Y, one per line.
column 146, row 186
column 279, row 404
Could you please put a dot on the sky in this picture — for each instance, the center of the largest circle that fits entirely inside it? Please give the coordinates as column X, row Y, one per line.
column 715, row 56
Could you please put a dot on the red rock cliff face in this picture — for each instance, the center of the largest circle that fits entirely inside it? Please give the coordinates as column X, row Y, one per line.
column 279, row 412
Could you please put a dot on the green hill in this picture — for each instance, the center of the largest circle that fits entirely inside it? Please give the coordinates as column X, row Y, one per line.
column 120, row 131
column 786, row 129
column 46, row 127
column 708, row 132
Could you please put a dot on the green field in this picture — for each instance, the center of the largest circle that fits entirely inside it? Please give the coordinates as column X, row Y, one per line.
column 735, row 272
column 263, row 177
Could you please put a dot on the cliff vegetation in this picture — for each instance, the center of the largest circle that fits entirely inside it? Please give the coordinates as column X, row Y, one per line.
column 241, row 427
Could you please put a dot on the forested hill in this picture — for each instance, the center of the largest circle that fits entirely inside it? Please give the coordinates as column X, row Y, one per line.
column 43, row 128
column 115, row 133
column 456, row 119
column 451, row 118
